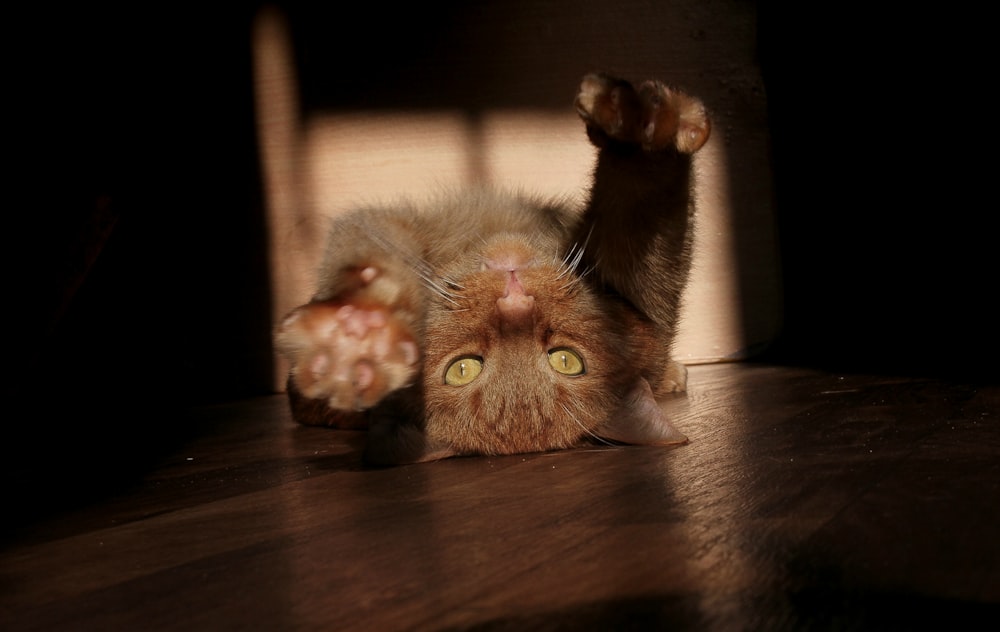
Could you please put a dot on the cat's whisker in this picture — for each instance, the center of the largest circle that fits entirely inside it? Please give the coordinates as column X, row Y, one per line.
column 443, row 293
column 577, row 279
column 421, row 268
column 564, row 264
column 586, row 241
column 569, row 254
column 575, row 255
column 571, row 279
column 570, row 284
column 582, row 427
column 434, row 285
column 568, row 267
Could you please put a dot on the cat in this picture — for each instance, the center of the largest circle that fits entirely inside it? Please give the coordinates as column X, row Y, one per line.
column 489, row 323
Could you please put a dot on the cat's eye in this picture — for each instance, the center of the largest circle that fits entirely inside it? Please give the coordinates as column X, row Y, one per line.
column 566, row 361
column 463, row 370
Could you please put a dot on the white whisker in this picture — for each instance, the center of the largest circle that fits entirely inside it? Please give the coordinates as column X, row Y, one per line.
column 423, row 270
column 433, row 284
column 571, row 283
column 564, row 264
column 584, row 428
column 574, row 256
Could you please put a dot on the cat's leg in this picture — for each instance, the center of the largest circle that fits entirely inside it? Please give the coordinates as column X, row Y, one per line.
column 349, row 351
column 639, row 221
column 638, row 225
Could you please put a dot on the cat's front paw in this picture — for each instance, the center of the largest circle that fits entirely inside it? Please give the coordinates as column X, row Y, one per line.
column 350, row 355
column 654, row 116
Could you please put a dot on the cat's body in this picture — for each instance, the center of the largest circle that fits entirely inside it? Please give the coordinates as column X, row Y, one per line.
column 490, row 323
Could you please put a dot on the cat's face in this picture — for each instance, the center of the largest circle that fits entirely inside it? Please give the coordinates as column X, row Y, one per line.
column 523, row 357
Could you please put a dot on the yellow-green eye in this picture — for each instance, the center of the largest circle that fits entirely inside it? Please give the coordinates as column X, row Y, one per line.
column 463, row 370
column 566, row 361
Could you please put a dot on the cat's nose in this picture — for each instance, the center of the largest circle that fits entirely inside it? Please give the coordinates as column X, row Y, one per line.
column 516, row 308
column 516, row 312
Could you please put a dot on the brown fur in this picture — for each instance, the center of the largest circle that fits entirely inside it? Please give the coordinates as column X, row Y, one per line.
column 500, row 282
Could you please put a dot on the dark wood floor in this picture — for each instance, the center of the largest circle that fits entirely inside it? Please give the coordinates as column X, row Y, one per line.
column 805, row 500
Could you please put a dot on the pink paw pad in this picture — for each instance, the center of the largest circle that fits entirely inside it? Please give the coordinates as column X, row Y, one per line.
column 352, row 356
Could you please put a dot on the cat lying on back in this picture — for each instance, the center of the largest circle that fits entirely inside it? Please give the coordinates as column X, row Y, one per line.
column 490, row 323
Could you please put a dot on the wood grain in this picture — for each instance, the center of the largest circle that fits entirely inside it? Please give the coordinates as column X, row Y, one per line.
column 804, row 500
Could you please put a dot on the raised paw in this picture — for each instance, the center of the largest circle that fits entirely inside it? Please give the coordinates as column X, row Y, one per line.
column 653, row 116
column 350, row 355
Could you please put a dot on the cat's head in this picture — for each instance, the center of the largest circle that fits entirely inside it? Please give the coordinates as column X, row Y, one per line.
column 521, row 355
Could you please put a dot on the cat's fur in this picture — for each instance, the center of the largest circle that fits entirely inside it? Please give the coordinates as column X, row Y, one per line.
column 515, row 290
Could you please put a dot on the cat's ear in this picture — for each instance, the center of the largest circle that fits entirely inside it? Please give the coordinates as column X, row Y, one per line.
column 640, row 421
column 396, row 443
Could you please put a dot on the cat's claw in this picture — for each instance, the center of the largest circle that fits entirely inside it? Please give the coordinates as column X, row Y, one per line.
column 654, row 116
column 349, row 355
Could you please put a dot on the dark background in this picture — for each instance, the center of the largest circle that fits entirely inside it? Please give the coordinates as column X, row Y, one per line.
column 138, row 124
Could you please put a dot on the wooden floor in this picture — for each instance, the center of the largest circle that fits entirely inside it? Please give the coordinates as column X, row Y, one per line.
column 805, row 500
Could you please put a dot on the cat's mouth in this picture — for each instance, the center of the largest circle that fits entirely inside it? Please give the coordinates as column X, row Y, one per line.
column 514, row 286
column 508, row 255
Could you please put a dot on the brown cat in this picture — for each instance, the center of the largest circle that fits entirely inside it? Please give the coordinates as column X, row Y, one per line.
column 490, row 323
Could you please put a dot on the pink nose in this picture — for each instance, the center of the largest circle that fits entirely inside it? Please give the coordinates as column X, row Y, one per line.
column 516, row 308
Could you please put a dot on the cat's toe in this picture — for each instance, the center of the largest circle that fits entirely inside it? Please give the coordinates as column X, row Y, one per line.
column 349, row 355
column 671, row 118
column 610, row 108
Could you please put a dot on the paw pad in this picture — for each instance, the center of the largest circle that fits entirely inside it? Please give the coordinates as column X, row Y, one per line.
column 350, row 355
